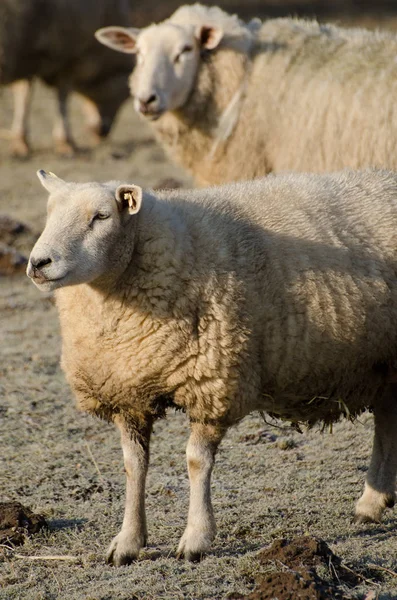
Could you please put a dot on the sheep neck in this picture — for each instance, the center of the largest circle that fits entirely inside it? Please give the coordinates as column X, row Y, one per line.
column 140, row 269
column 197, row 135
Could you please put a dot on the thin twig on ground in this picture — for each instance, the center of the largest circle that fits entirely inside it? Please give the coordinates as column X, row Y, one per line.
column 372, row 566
column 95, row 462
column 62, row 557
column 369, row 581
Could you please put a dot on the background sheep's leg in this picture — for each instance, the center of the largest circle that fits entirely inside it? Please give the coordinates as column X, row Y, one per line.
column 22, row 91
column 61, row 131
column 126, row 545
column 92, row 117
column 379, row 492
column 200, row 453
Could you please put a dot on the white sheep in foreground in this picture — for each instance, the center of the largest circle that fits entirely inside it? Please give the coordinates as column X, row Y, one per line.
column 277, row 295
column 231, row 101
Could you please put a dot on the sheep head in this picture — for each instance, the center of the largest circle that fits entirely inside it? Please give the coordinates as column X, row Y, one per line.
column 167, row 60
column 85, row 232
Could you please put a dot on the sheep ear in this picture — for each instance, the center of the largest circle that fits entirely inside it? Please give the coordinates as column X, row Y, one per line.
column 129, row 197
column 209, row 36
column 122, row 39
column 50, row 181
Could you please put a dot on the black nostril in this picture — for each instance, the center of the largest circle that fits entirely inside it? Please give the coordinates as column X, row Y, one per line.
column 151, row 99
column 104, row 129
column 40, row 263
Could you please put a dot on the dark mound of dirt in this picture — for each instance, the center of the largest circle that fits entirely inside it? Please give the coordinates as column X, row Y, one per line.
column 11, row 261
column 297, row 561
column 292, row 585
column 299, row 552
column 17, row 521
column 10, row 229
column 16, row 239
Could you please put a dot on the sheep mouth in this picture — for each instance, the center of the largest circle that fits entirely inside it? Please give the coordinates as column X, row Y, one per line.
column 153, row 115
column 39, row 279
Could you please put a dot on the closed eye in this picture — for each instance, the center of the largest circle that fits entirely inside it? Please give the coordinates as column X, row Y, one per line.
column 184, row 50
column 99, row 216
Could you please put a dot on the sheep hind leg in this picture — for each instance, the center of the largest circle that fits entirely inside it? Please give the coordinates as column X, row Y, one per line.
column 379, row 492
column 22, row 92
column 125, row 547
column 201, row 529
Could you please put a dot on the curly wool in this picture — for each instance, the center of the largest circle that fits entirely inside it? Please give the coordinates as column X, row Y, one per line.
column 276, row 295
column 316, row 98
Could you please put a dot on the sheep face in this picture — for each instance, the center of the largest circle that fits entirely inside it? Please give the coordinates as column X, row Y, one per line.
column 84, row 224
column 168, row 58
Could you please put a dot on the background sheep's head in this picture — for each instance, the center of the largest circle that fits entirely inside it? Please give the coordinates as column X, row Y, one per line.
column 87, row 225
column 167, row 61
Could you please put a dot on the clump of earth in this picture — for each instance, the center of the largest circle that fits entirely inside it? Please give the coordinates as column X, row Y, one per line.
column 297, row 565
column 15, row 238
column 18, row 521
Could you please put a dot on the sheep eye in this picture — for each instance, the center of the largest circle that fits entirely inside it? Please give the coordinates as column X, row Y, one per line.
column 184, row 50
column 100, row 216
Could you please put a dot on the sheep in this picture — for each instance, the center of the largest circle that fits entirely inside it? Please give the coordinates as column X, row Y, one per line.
column 275, row 295
column 53, row 41
column 231, row 101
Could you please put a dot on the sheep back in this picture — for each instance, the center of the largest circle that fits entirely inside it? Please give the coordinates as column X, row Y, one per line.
column 312, row 97
column 278, row 295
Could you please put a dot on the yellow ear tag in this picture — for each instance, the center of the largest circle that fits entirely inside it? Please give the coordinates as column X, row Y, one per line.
column 128, row 196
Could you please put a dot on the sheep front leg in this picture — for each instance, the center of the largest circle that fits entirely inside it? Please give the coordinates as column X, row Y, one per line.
column 61, row 132
column 126, row 545
column 379, row 492
column 201, row 529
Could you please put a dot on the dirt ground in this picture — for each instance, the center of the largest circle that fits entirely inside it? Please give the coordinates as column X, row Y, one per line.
column 269, row 483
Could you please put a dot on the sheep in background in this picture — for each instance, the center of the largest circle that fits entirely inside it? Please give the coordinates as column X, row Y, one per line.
column 230, row 100
column 53, row 41
column 277, row 295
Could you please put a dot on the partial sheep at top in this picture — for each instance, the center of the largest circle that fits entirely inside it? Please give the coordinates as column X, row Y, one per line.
column 231, row 100
column 277, row 295
column 53, row 40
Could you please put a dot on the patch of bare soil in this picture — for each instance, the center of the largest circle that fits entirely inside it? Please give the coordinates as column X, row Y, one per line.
column 299, row 562
column 18, row 521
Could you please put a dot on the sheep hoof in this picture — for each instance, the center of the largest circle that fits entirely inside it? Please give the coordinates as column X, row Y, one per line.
column 190, row 556
column 123, row 550
column 19, row 148
column 194, row 545
column 372, row 504
column 362, row 519
column 65, row 149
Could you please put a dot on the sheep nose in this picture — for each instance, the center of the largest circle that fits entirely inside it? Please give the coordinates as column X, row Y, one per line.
column 39, row 263
column 145, row 106
column 104, row 129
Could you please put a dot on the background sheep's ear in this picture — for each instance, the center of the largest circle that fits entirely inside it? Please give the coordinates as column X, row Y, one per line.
column 51, row 182
column 129, row 197
column 122, row 39
column 209, row 36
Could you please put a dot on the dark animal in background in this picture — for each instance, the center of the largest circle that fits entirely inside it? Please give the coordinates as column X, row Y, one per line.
column 53, row 40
